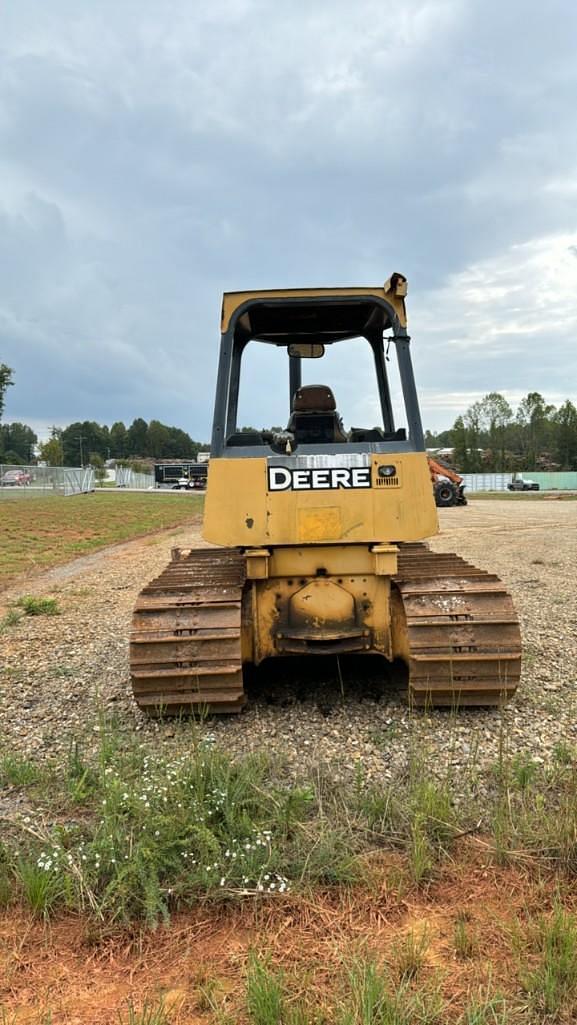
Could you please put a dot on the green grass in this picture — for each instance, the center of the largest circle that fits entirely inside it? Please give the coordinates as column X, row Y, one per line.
column 419, row 816
column 373, row 998
column 552, row 985
column 264, row 994
column 366, row 994
column 33, row 606
column 18, row 771
column 158, row 833
column 128, row 836
column 41, row 887
column 465, row 942
column 136, row 835
column 11, row 618
column 149, row 1014
column 492, row 1010
column 44, row 532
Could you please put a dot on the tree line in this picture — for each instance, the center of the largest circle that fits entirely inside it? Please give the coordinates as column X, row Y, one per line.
column 488, row 436
column 491, row 436
column 86, row 441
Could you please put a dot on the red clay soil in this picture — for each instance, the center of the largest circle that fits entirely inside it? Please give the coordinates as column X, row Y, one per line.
column 72, row 972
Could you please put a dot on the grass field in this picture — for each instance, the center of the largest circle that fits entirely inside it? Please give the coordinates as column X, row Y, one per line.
column 146, row 883
column 283, row 905
column 44, row 532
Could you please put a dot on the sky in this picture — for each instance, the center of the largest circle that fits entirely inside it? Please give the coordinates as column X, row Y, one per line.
column 155, row 155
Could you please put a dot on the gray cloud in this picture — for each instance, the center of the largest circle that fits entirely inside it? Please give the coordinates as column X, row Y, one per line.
column 151, row 157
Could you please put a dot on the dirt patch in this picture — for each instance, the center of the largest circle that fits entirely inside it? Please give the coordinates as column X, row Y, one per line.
column 197, row 964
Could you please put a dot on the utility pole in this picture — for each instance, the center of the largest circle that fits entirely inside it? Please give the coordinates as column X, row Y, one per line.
column 81, row 439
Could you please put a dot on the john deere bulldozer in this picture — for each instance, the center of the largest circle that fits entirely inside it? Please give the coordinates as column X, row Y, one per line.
column 316, row 532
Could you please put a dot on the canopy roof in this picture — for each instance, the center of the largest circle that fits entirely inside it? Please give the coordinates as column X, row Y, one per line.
column 315, row 314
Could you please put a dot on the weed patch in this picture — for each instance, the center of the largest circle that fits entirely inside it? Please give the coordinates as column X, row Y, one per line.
column 418, row 817
column 35, row 606
column 160, row 833
column 11, row 618
column 18, row 771
column 552, row 985
column 137, row 835
column 149, row 1014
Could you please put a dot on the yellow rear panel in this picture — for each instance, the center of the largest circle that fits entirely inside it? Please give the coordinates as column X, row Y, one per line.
column 242, row 509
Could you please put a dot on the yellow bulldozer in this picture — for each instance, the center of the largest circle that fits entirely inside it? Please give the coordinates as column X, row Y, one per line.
column 315, row 533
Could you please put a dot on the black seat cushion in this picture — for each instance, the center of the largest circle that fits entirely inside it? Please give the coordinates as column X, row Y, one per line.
column 376, row 434
column 242, row 438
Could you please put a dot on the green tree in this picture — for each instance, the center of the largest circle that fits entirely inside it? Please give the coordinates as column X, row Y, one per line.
column 181, row 445
column 441, row 439
column 495, row 415
column 6, row 374
column 12, row 458
column 158, row 440
column 18, row 439
column 51, row 451
column 565, row 426
column 534, row 417
column 97, row 463
column 80, row 439
column 118, row 440
column 473, row 423
column 136, row 438
column 460, row 448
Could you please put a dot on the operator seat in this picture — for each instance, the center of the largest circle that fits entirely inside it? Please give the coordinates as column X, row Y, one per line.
column 314, row 418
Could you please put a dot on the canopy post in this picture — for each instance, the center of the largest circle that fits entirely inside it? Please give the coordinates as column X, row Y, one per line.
column 295, row 378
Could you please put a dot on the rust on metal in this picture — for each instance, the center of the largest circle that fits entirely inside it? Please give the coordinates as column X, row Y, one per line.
column 185, row 651
column 463, row 633
column 454, row 624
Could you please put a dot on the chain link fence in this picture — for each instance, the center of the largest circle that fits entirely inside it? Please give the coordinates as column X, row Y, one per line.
column 127, row 478
column 500, row 481
column 487, row 481
column 40, row 481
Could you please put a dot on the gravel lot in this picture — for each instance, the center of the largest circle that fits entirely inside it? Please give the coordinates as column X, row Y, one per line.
column 58, row 673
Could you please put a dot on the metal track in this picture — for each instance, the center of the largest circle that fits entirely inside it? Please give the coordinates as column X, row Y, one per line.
column 459, row 629
column 185, row 650
column 463, row 633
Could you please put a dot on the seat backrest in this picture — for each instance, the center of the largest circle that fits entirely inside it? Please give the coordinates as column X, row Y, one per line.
column 314, row 398
column 314, row 418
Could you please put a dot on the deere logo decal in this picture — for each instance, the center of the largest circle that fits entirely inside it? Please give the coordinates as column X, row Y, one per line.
column 281, row 478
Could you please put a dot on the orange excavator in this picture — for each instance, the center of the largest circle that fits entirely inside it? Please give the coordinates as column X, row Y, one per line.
column 448, row 486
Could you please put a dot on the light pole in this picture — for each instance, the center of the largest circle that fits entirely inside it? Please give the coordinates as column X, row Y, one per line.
column 80, row 440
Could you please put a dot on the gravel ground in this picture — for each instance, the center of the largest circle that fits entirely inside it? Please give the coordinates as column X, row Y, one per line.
column 58, row 673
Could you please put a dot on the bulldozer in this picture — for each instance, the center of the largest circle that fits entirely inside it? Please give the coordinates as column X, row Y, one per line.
column 315, row 534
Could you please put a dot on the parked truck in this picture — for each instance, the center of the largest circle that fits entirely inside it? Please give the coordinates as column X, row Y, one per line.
column 183, row 476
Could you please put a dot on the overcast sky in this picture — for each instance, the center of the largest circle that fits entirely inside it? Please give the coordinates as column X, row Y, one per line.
column 153, row 155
